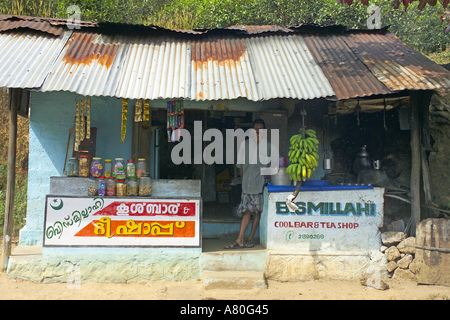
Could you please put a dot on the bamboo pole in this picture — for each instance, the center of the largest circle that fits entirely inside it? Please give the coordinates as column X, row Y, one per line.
column 14, row 101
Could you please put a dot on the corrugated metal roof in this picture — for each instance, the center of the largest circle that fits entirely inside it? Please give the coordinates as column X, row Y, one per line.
column 26, row 59
column 89, row 64
column 397, row 65
column 348, row 75
column 253, row 62
column 286, row 69
column 155, row 68
column 210, row 69
column 47, row 25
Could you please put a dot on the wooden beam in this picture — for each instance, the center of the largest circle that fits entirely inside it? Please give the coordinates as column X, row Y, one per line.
column 14, row 103
column 415, row 161
column 419, row 100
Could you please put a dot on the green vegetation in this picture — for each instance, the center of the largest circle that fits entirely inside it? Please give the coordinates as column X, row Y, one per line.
column 423, row 30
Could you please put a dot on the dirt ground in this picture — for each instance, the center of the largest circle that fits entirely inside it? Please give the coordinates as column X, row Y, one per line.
column 192, row 290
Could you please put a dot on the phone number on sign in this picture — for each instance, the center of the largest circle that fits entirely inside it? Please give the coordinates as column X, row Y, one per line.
column 311, row 236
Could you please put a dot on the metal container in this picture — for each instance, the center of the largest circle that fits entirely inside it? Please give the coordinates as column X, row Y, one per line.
column 281, row 178
column 362, row 161
column 327, row 160
column 377, row 164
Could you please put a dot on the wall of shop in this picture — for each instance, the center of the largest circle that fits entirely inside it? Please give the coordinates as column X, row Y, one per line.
column 51, row 117
column 52, row 114
column 80, row 265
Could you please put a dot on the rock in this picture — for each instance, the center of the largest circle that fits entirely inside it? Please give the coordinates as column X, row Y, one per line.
column 405, row 261
column 399, row 225
column 392, row 253
column 373, row 282
column 383, row 249
column 391, row 266
column 413, row 266
column 432, row 265
column 403, row 274
column 403, row 246
column 391, row 238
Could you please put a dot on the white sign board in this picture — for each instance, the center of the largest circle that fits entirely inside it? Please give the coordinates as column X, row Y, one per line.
column 117, row 221
column 326, row 220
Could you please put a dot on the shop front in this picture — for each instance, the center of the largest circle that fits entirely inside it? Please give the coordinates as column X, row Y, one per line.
column 130, row 175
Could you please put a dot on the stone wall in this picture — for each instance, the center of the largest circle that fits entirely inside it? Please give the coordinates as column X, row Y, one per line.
column 399, row 255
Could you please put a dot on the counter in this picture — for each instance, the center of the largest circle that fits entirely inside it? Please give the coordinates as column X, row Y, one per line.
column 334, row 233
column 169, row 218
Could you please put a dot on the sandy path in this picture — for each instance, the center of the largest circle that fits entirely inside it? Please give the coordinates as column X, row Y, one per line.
column 192, row 290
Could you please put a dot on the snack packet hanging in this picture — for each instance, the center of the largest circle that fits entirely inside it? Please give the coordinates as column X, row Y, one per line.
column 123, row 128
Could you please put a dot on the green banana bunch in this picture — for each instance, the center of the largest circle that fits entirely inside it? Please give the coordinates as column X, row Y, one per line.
column 303, row 155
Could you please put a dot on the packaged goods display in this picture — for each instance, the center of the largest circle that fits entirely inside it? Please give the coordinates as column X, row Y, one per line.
column 92, row 187
column 119, row 169
column 96, row 167
column 84, row 166
column 132, row 187
column 121, row 188
column 111, row 187
column 102, row 186
column 131, row 169
column 73, row 167
column 107, row 169
column 112, row 180
column 141, row 167
column 145, row 185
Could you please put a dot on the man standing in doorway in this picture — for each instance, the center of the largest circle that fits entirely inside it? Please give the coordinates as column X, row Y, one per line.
column 252, row 200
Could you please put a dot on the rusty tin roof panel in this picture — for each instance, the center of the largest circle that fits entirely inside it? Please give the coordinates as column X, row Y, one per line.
column 89, row 64
column 348, row 75
column 257, row 68
column 26, row 58
column 395, row 64
column 47, row 25
column 155, row 68
column 211, row 69
column 221, row 69
column 285, row 68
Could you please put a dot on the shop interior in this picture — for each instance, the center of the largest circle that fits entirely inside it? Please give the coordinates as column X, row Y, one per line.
column 221, row 183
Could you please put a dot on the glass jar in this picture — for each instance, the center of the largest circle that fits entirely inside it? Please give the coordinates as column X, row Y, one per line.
column 72, row 167
column 111, row 187
column 145, row 185
column 96, row 167
column 121, row 188
column 131, row 169
column 132, row 187
column 101, row 186
column 141, row 167
column 84, row 166
column 92, row 189
column 119, row 169
column 107, row 170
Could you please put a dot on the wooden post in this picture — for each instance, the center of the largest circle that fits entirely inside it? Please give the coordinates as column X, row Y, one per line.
column 14, row 102
column 415, row 161
column 418, row 101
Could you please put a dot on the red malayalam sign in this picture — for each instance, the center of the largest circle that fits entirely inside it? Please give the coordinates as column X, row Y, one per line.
column 123, row 208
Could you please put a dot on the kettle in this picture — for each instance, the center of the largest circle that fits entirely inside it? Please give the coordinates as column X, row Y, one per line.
column 362, row 160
